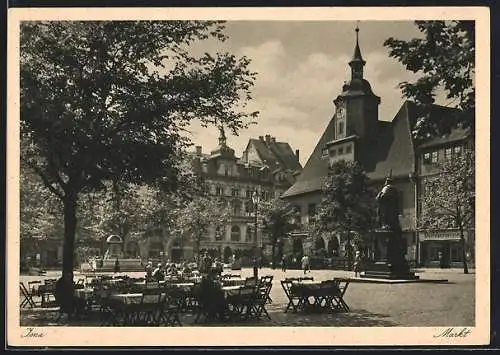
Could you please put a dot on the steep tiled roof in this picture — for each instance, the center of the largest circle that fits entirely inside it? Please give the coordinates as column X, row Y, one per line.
column 276, row 154
column 446, row 119
column 392, row 150
column 316, row 169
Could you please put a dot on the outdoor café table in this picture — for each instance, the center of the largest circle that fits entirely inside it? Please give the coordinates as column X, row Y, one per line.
column 231, row 290
column 325, row 296
column 126, row 303
column 233, row 282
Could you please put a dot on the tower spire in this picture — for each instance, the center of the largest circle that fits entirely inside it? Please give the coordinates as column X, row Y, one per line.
column 357, row 63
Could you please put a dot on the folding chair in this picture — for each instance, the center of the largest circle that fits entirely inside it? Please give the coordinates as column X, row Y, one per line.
column 294, row 300
column 250, row 281
column 262, row 297
column 266, row 282
column 33, row 288
column 28, row 297
column 339, row 295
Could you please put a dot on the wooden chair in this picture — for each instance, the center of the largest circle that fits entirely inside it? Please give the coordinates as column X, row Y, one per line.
column 294, row 300
column 33, row 287
column 27, row 300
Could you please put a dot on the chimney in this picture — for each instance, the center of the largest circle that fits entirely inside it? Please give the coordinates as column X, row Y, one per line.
column 198, row 150
column 261, row 138
column 268, row 138
column 297, row 153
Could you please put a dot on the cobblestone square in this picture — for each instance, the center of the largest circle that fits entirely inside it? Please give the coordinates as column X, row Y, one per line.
column 372, row 304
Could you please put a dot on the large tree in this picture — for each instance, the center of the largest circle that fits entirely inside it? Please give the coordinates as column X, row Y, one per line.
column 448, row 197
column 443, row 58
column 102, row 100
column 278, row 219
column 194, row 219
column 348, row 205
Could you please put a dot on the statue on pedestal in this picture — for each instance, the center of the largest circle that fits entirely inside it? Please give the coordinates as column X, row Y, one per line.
column 388, row 207
column 388, row 220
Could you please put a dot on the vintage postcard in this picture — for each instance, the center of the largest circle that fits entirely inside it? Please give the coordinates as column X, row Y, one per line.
column 248, row 176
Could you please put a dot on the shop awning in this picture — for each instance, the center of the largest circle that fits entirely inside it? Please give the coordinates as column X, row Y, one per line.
column 440, row 235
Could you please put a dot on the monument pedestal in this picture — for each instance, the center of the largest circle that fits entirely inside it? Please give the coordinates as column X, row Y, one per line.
column 389, row 261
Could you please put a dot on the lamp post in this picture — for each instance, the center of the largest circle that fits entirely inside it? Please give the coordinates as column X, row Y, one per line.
column 255, row 200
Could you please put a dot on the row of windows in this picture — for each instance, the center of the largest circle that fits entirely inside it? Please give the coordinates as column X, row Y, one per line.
column 265, row 195
column 236, row 234
column 337, row 151
column 449, row 153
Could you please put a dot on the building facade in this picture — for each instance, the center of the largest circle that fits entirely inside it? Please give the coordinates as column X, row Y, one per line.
column 266, row 167
column 383, row 148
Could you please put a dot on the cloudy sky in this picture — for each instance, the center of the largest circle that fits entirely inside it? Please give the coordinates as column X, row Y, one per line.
column 301, row 67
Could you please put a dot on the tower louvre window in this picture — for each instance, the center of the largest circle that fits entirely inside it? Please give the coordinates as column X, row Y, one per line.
column 341, row 129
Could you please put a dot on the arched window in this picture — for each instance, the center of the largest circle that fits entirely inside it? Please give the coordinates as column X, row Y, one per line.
column 235, row 234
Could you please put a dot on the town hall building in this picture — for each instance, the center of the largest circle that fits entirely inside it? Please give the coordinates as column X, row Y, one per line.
column 383, row 148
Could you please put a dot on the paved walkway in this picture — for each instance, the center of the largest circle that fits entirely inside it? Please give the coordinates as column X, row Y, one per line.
column 372, row 304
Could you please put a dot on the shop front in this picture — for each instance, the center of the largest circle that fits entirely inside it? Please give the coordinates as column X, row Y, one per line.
column 443, row 248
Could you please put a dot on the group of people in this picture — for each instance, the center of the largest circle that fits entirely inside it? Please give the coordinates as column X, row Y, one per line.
column 163, row 270
column 304, row 261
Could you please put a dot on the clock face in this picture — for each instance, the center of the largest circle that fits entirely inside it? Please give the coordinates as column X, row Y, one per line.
column 340, row 112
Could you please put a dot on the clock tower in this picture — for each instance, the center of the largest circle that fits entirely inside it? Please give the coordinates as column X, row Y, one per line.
column 356, row 113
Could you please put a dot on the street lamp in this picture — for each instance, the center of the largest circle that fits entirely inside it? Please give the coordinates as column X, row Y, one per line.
column 255, row 200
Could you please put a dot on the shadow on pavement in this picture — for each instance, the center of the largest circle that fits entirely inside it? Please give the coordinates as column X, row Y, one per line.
column 355, row 318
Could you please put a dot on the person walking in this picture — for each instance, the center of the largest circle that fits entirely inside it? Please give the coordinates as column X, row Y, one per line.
column 283, row 262
column 305, row 264
column 357, row 263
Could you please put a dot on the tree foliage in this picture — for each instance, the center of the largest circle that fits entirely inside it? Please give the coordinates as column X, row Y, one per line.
column 278, row 219
column 40, row 211
column 348, row 205
column 444, row 58
column 105, row 100
column 194, row 219
column 448, row 198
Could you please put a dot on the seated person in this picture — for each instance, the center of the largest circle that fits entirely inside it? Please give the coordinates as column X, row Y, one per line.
column 185, row 269
column 173, row 269
column 158, row 273
column 149, row 271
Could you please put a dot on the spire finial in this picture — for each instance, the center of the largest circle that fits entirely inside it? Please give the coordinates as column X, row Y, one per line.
column 357, row 61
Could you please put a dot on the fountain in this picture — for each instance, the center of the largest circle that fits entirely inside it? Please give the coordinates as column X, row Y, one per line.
column 114, row 256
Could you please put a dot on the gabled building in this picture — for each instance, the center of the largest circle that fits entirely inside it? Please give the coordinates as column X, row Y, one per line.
column 266, row 166
column 382, row 147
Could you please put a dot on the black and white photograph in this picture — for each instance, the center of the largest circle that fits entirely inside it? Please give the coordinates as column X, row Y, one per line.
column 248, row 176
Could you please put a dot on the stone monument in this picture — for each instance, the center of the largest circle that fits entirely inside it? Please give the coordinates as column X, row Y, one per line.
column 389, row 254
column 114, row 250
column 114, row 255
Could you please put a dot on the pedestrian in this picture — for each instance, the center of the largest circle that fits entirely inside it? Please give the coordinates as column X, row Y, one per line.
column 357, row 263
column 305, row 264
column 283, row 263
column 117, row 266
column 255, row 266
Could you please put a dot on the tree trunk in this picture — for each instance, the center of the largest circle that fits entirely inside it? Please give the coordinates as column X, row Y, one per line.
column 462, row 242
column 349, row 252
column 273, row 257
column 70, row 203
